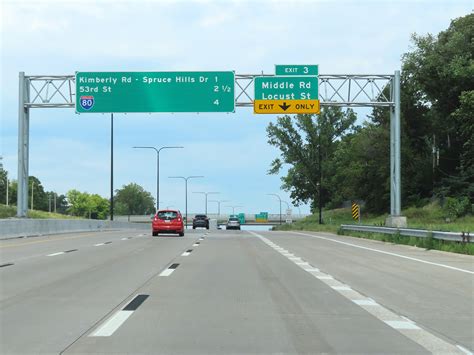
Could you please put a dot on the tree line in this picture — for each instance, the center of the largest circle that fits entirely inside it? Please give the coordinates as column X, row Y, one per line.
column 131, row 199
column 437, row 133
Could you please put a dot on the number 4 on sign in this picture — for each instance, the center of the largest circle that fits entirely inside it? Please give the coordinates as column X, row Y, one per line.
column 216, row 102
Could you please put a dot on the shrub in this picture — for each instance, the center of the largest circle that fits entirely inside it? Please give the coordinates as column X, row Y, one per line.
column 456, row 207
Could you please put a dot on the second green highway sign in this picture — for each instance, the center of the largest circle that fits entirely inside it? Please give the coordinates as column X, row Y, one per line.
column 155, row 91
column 286, row 88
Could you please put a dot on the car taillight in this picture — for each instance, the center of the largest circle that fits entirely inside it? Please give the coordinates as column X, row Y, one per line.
column 179, row 219
column 155, row 219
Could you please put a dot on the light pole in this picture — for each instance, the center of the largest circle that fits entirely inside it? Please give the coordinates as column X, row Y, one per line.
column 186, row 190
column 320, row 157
column 233, row 208
column 158, row 150
column 280, row 202
column 218, row 206
column 206, row 193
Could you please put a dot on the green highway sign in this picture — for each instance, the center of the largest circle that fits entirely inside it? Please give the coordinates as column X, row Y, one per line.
column 210, row 91
column 288, row 69
column 286, row 88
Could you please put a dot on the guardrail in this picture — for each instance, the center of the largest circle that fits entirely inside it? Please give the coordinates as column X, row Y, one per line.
column 409, row 232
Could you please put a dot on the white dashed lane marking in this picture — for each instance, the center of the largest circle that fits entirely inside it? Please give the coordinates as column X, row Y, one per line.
column 114, row 322
column 54, row 254
column 400, row 323
column 169, row 270
column 187, row 252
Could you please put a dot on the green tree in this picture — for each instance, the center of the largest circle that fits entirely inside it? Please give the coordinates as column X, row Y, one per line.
column 298, row 138
column 78, row 203
column 132, row 199
column 3, row 186
column 99, row 206
column 85, row 205
column 439, row 74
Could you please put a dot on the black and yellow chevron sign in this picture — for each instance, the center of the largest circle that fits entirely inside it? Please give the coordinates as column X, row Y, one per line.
column 355, row 211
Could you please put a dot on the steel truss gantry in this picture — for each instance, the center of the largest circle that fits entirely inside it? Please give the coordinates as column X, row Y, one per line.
column 342, row 90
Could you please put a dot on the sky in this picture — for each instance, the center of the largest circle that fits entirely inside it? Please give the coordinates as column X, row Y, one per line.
column 69, row 151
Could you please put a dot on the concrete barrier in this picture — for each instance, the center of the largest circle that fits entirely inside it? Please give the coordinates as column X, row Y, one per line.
column 15, row 228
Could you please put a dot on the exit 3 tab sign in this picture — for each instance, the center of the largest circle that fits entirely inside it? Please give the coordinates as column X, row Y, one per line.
column 297, row 69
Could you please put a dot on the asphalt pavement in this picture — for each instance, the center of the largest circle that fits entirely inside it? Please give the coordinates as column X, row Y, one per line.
column 231, row 292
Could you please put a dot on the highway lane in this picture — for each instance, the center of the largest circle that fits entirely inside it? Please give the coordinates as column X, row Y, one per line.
column 48, row 302
column 433, row 295
column 434, row 289
column 234, row 292
column 233, row 295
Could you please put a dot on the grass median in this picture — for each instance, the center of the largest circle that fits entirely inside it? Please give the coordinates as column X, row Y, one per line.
column 10, row 211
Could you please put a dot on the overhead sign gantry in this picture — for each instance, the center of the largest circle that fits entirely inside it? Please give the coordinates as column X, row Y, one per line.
column 233, row 90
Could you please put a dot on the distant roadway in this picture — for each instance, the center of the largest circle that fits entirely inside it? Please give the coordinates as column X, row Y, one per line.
column 231, row 292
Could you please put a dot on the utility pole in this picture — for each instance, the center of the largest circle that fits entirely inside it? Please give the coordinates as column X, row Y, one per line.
column 111, row 166
column 54, row 195
column 7, row 188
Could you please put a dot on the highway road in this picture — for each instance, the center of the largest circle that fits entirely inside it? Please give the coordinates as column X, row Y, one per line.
column 231, row 292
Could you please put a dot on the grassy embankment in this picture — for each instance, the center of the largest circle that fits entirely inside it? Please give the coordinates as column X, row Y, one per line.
column 430, row 217
column 10, row 211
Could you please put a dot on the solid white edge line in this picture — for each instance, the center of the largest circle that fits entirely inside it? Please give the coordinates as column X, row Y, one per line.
column 464, row 350
column 365, row 302
column 98, row 245
column 112, row 324
column 387, row 253
column 402, row 325
column 54, row 254
column 342, row 288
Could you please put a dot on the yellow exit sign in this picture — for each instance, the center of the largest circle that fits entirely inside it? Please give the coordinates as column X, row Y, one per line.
column 286, row 106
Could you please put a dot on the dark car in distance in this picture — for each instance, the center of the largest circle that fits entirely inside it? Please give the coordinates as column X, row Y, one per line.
column 200, row 221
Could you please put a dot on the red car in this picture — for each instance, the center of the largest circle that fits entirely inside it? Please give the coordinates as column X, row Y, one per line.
column 168, row 221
